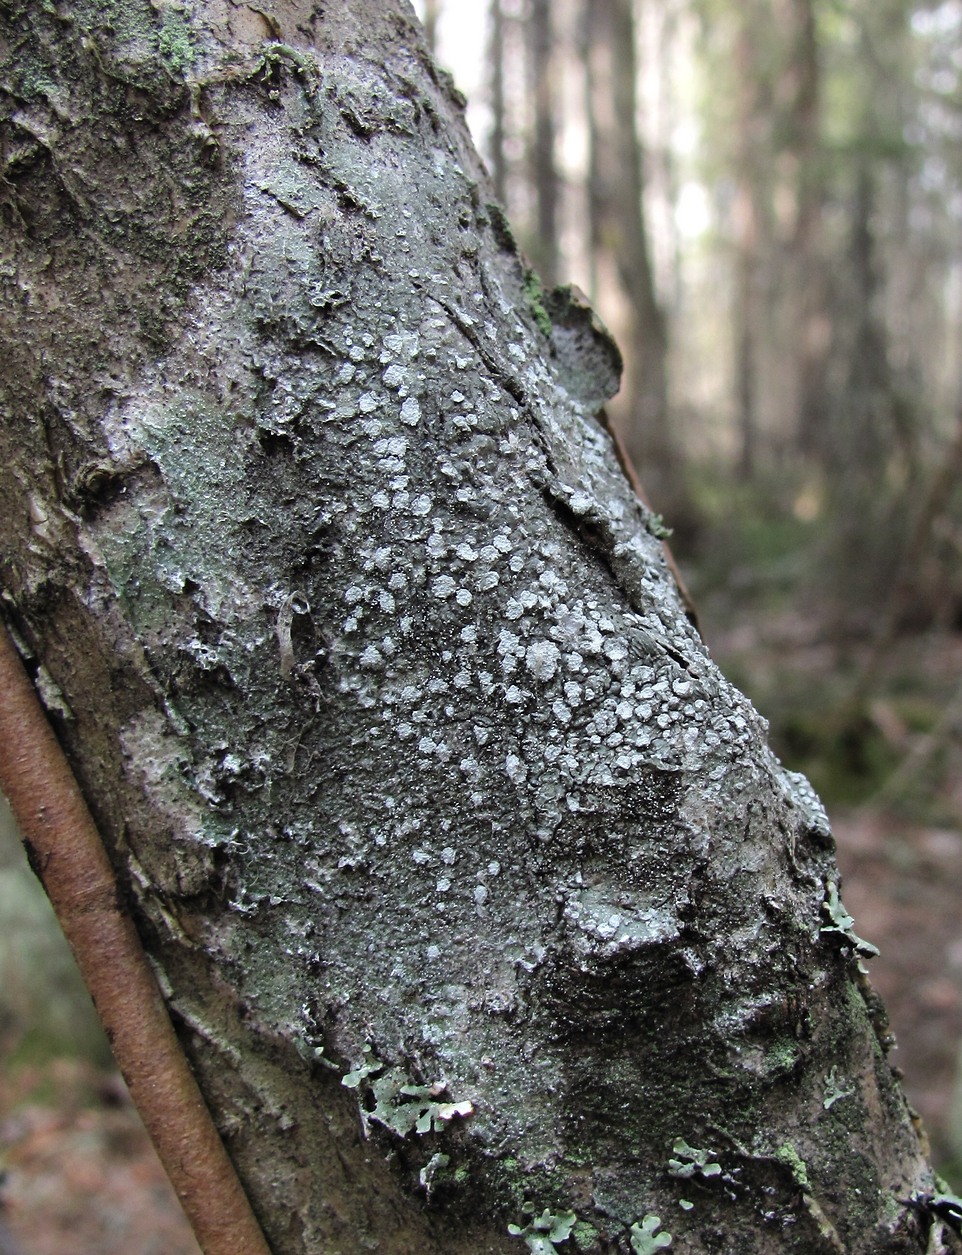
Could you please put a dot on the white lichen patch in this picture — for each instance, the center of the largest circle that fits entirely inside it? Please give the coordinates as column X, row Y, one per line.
column 542, row 659
column 443, row 586
column 403, row 344
column 515, row 769
column 411, row 411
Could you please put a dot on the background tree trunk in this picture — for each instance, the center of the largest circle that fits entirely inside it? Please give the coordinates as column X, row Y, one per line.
column 496, row 137
column 544, row 171
column 432, row 12
column 471, row 884
column 809, row 316
column 752, row 224
column 618, row 231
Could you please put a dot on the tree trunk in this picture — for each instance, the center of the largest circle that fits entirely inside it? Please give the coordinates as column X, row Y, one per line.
column 810, row 327
column 496, row 136
column 544, row 172
column 649, row 336
column 593, row 56
column 432, row 13
column 753, row 245
column 617, row 221
column 471, row 885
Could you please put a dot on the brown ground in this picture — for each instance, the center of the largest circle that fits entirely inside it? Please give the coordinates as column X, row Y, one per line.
column 903, row 884
column 81, row 1178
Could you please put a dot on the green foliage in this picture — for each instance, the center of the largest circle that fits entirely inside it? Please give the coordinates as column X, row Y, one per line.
column 846, row 762
column 756, row 562
column 748, row 538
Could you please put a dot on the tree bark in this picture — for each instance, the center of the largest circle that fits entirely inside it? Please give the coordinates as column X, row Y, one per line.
column 474, row 892
column 66, row 852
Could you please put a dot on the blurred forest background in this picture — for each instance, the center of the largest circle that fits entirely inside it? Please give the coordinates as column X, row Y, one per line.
column 763, row 200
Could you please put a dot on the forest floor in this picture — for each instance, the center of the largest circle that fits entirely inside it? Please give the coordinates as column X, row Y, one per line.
column 80, row 1176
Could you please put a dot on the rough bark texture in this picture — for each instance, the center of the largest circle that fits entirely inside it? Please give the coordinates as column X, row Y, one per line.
column 469, row 880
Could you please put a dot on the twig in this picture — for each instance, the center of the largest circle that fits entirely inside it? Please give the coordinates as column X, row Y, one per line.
column 68, row 855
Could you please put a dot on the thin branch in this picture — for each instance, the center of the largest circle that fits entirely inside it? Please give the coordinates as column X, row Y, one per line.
column 68, row 855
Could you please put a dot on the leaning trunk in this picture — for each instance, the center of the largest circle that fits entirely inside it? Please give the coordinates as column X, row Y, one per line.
column 475, row 894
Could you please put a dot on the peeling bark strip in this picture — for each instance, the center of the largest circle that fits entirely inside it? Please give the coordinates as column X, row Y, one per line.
column 482, row 909
column 66, row 853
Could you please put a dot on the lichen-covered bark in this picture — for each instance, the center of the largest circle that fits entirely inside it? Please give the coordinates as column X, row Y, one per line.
column 471, row 883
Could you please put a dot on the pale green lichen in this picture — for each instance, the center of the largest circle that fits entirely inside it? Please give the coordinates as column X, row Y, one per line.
column 544, row 1232
column 277, row 54
column 691, row 1162
column 435, row 1165
column 400, row 1106
column 835, row 1089
column 645, row 1240
column 944, row 1204
column 657, row 526
column 175, row 42
column 842, row 923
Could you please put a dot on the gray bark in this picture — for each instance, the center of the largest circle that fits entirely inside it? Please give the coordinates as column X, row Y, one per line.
column 409, row 761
